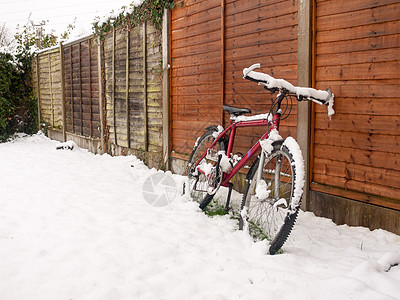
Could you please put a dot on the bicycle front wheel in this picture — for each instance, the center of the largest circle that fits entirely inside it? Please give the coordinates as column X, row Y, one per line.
column 271, row 204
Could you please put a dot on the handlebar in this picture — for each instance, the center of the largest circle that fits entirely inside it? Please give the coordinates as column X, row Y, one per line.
column 302, row 93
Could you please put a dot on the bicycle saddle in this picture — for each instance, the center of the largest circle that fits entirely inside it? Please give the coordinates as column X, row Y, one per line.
column 235, row 111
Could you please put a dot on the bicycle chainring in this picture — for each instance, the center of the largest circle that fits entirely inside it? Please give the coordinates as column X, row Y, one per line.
column 214, row 180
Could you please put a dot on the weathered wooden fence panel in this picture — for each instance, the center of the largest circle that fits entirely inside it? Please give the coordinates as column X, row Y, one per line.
column 112, row 99
column 196, row 77
column 357, row 154
column 47, row 87
column 211, row 43
column 82, row 99
column 133, row 88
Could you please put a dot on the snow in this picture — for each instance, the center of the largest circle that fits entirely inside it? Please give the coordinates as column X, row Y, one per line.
column 218, row 132
column 74, row 225
column 225, row 163
column 309, row 93
column 295, row 150
column 266, row 144
column 267, row 116
column 125, row 10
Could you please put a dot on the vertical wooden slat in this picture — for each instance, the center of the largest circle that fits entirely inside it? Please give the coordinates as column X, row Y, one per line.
column 166, row 80
column 128, row 130
column 62, row 71
column 222, row 60
column 72, row 91
column 90, row 89
column 80, row 86
column 51, row 92
column 113, row 88
column 304, row 54
column 100, row 78
column 38, row 92
column 145, row 87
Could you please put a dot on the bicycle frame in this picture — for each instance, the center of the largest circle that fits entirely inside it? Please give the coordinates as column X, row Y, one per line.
column 273, row 124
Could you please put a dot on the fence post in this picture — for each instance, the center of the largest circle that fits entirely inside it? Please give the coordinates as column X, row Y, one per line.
column 304, row 76
column 166, row 87
column 128, row 129
column 38, row 91
column 62, row 70
column 101, row 92
column 72, row 90
column 146, row 144
column 222, row 60
column 80, row 86
column 51, row 91
column 90, row 89
column 113, row 88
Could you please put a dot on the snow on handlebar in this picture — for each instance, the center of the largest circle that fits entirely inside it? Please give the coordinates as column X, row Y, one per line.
column 318, row 96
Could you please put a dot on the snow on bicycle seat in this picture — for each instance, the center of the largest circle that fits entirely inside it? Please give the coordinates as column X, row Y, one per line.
column 236, row 111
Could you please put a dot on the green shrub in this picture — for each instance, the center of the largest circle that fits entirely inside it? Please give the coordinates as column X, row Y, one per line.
column 18, row 108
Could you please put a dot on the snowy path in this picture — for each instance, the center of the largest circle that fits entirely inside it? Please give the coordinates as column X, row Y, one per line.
column 76, row 226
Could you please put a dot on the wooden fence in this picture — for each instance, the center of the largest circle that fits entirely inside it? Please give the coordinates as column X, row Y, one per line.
column 211, row 43
column 47, row 87
column 112, row 93
column 352, row 47
column 105, row 95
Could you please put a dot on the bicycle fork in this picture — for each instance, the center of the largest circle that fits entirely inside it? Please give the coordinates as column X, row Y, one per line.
column 277, row 170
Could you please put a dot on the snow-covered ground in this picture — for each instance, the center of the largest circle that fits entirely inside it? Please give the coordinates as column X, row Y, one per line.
column 74, row 225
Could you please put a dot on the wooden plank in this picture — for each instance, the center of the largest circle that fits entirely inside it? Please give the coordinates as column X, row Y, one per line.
column 353, row 33
column 127, row 72
column 113, row 86
column 51, row 93
column 222, row 59
column 350, row 171
column 363, row 141
column 38, row 93
column 195, row 30
column 90, row 89
column 389, row 125
column 206, row 14
column 364, row 71
column 372, row 158
column 211, row 58
column 365, row 88
column 191, row 9
column 144, row 34
column 364, row 106
column 197, row 48
column 363, row 44
column 72, row 92
column 361, row 17
column 200, row 40
column 361, row 196
column 326, row 8
column 269, row 37
column 357, row 57
column 271, row 10
column 80, row 87
column 62, row 74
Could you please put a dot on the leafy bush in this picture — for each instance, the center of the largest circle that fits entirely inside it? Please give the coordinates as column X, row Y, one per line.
column 17, row 105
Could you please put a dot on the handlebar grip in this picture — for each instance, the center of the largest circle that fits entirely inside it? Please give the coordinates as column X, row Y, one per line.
column 251, row 68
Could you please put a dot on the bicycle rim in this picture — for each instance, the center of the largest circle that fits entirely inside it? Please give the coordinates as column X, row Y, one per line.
column 269, row 208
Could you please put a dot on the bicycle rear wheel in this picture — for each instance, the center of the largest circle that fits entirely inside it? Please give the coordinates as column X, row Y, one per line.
column 270, row 206
column 198, row 183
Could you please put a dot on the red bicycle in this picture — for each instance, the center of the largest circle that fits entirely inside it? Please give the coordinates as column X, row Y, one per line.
column 275, row 180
